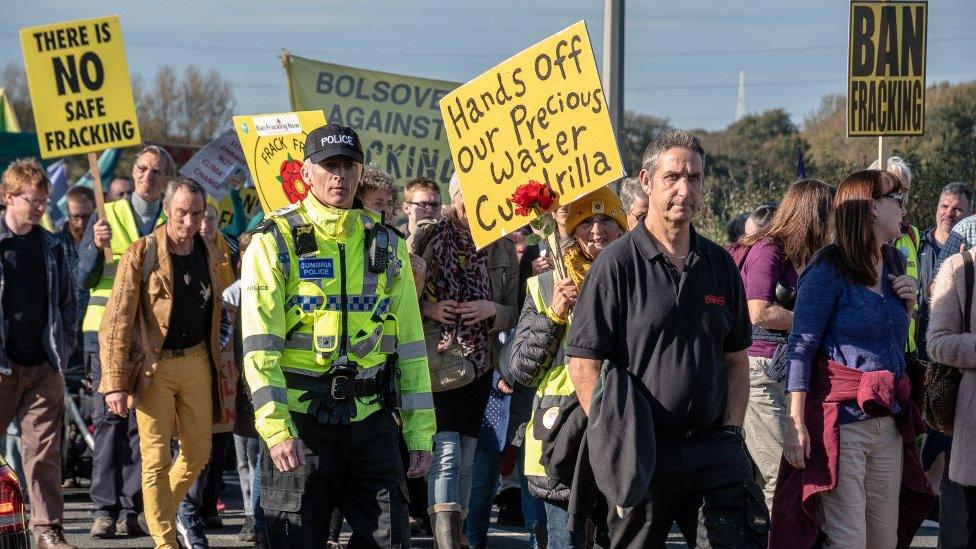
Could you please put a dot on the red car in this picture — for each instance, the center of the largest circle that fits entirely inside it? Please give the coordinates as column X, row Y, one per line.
column 13, row 522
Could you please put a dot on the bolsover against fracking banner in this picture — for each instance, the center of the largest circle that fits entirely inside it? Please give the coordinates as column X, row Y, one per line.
column 79, row 86
column 886, row 68
column 542, row 116
column 397, row 117
column 274, row 147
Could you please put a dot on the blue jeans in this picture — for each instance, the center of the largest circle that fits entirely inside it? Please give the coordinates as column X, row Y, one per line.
column 559, row 536
column 533, row 510
column 484, row 484
column 449, row 480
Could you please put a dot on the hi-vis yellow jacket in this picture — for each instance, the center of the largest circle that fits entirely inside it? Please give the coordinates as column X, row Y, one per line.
column 120, row 218
column 907, row 244
column 291, row 311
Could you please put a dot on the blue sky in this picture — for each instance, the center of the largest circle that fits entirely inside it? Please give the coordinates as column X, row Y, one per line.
column 682, row 58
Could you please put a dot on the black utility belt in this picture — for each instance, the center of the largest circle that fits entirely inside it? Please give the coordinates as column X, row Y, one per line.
column 340, row 383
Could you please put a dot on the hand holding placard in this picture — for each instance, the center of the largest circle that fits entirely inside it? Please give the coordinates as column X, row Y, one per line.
column 541, row 115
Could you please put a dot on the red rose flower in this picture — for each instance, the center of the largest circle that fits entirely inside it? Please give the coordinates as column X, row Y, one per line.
column 531, row 196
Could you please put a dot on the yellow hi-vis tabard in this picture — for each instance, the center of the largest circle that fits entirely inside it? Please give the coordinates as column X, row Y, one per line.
column 122, row 221
column 292, row 305
column 907, row 244
column 555, row 391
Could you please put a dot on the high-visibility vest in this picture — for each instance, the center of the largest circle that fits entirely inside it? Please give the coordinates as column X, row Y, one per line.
column 555, row 392
column 122, row 220
column 907, row 244
column 295, row 308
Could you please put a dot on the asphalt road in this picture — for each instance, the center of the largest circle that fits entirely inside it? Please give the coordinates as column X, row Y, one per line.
column 78, row 521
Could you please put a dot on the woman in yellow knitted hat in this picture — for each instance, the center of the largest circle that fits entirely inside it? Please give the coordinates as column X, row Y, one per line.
column 592, row 223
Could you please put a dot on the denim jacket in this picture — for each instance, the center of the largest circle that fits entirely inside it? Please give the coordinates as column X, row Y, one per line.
column 61, row 331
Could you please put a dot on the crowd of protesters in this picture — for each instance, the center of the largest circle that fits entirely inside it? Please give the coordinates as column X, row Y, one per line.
column 771, row 379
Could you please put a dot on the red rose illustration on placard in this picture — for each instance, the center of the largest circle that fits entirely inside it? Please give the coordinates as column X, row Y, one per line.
column 291, row 180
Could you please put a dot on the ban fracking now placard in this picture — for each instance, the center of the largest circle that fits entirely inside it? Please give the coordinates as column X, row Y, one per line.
column 886, row 68
column 541, row 116
column 274, row 148
column 79, row 86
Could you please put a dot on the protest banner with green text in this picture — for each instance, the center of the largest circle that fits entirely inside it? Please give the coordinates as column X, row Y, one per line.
column 397, row 117
column 539, row 116
column 274, row 147
column 886, row 68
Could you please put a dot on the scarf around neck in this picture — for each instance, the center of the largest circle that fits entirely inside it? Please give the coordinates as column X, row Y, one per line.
column 459, row 273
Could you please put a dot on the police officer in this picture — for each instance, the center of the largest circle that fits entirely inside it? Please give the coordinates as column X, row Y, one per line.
column 333, row 343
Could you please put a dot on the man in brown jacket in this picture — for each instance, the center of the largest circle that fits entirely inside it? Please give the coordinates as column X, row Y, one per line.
column 160, row 349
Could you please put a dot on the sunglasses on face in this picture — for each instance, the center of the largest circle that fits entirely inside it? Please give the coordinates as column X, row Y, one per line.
column 897, row 197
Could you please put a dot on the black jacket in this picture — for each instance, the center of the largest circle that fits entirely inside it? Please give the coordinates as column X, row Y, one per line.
column 535, row 346
column 537, row 340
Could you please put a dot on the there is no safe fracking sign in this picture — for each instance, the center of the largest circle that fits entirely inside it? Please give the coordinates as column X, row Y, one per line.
column 541, row 115
column 79, row 86
column 886, row 68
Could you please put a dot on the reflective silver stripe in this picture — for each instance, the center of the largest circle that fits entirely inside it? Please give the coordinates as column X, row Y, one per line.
column 416, row 401
column 110, row 270
column 408, row 351
column 299, row 372
column 303, row 342
column 268, row 394
column 365, row 346
column 299, row 341
column 263, row 342
column 98, row 300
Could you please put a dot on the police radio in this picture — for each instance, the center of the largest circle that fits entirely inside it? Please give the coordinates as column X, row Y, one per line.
column 378, row 242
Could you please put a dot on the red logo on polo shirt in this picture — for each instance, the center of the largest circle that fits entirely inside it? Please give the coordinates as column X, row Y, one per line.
column 712, row 299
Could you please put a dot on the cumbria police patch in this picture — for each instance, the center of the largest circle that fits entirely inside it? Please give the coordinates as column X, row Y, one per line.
column 315, row 268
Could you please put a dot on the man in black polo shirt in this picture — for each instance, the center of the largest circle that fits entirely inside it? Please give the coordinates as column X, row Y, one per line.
column 668, row 305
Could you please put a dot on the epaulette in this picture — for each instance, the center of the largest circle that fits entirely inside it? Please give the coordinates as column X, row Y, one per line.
column 285, row 210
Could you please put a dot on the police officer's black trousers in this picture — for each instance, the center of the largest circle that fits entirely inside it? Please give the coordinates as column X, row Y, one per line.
column 705, row 485
column 354, row 468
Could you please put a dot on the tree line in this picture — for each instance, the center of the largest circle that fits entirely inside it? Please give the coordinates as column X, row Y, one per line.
column 750, row 162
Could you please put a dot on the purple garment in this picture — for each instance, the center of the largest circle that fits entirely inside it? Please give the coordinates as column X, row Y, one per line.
column 849, row 323
column 762, row 270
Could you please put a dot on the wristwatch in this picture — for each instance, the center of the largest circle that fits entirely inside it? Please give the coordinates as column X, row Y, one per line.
column 734, row 430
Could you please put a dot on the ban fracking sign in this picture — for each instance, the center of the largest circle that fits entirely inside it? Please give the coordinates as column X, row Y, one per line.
column 274, row 148
column 886, row 68
column 79, row 86
column 541, row 115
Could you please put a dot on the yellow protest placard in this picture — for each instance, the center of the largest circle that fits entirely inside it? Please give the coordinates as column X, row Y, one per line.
column 886, row 68
column 274, row 147
column 541, row 115
column 79, row 86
